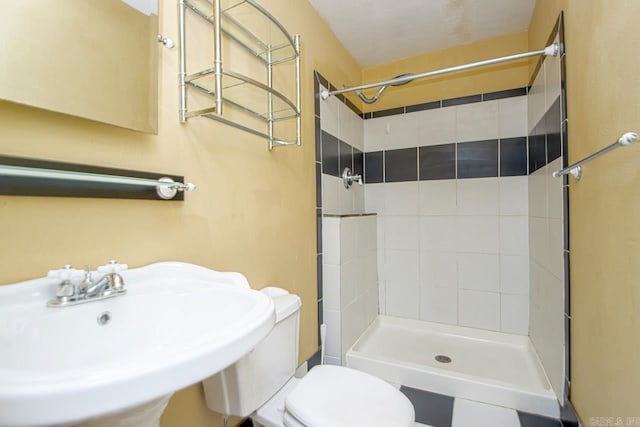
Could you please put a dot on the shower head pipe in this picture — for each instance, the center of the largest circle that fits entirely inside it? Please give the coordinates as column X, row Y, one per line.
column 551, row 50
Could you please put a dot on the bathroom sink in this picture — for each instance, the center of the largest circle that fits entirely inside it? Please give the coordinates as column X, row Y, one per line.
column 176, row 325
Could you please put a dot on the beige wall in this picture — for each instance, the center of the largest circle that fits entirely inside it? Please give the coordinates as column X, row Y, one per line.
column 603, row 86
column 486, row 79
column 253, row 210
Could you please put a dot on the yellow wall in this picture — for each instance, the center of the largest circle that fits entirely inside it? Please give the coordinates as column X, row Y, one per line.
column 253, row 210
column 486, row 79
column 603, row 86
column 91, row 79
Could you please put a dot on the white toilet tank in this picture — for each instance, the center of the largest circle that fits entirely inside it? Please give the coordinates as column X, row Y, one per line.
column 246, row 385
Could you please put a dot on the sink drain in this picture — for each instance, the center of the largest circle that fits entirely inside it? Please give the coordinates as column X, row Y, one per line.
column 443, row 359
column 104, row 318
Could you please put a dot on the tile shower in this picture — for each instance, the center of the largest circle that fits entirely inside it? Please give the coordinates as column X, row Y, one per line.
column 470, row 227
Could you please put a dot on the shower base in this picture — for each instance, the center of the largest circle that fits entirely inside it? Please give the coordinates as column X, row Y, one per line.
column 485, row 366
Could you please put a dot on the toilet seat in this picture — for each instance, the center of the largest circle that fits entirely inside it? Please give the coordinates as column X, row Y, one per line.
column 333, row 396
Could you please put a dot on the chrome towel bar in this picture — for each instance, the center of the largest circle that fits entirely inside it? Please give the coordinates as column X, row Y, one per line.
column 576, row 168
column 165, row 187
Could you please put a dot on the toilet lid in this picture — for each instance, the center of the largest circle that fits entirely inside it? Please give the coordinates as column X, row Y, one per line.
column 334, row 396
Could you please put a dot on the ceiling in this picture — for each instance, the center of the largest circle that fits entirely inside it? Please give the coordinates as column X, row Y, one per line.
column 380, row 31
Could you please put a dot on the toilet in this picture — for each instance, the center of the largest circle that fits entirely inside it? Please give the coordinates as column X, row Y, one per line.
column 262, row 385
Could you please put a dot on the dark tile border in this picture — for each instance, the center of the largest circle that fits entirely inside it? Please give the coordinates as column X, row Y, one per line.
column 437, row 162
column 422, row 107
column 374, row 167
column 481, row 97
column 433, row 162
column 478, row 159
column 401, row 165
column 389, row 112
column 501, row 94
column 461, row 100
column 21, row 186
column 513, row 156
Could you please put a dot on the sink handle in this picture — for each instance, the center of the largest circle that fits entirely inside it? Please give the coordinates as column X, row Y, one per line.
column 112, row 267
column 64, row 274
column 112, row 270
column 65, row 288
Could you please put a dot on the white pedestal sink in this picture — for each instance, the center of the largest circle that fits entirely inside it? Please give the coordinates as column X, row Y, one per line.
column 177, row 325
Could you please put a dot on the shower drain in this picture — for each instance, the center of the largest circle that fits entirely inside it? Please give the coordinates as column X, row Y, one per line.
column 443, row 359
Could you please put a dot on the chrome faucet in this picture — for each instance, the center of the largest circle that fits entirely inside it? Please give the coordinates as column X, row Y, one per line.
column 348, row 178
column 111, row 284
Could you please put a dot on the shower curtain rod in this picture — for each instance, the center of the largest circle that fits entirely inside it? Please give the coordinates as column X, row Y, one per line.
column 551, row 50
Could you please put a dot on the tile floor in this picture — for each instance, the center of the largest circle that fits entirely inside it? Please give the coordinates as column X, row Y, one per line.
column 436, row 410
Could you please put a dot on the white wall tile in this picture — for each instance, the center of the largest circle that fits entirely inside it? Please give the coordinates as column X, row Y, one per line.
column 479, row 272
column 330, row 194
column 367, row 228
column 438, row 233
column 401, row 131
column 478, row 234
column 374, row 198
column 536, row 100
column 514, row 235
column 400, row 232
column 512, row 119
column 402, row 288
column 514, row 314
column 331, row 240
column 357, row 198
column 439, row 305
column 402, row 198
column 514, row 274
column 351, row 127
column 479, row 196
column 437, row 126
column 374, row 134
column 371, row 308
column 348, row 239
column 554, row 190
column 546, row 319
column 348, row 282
column 538, row 194
column 382, row 282
column 477, row 121
column 514, row 195
column 345, row 200
column 380, row 231
column 438, row 197
column 367, row 263
column 438, row 270
column 329, row 115
column 369, row 272
column 331, row 286
column 547, row 325
column 539, row 240
column 478, row 309
column 353, row 324
column 555, row 249
column 333, row 340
